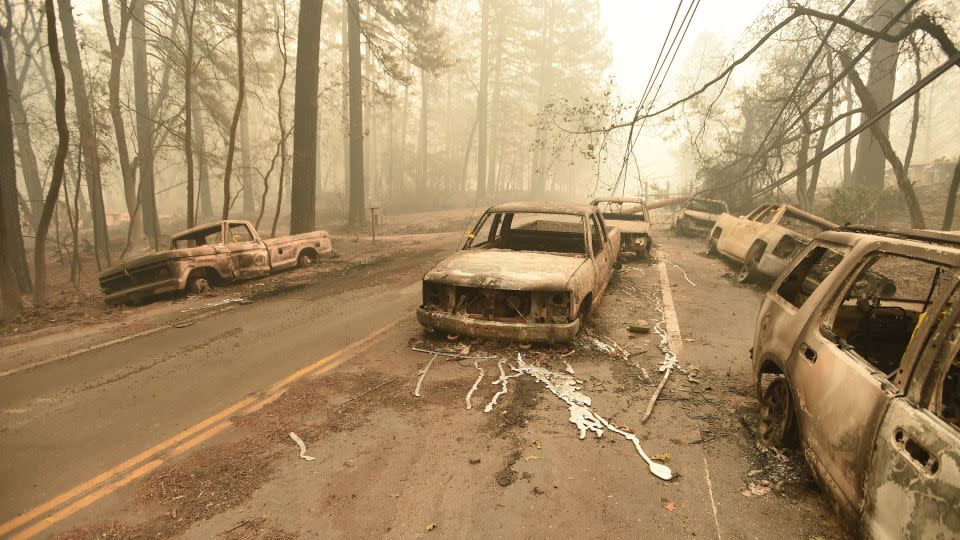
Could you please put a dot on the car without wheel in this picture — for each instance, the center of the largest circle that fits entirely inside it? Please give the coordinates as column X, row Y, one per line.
column 856, row 357
column 632, row 221
column 214, row 253
column 526, row 272
column 764, row 240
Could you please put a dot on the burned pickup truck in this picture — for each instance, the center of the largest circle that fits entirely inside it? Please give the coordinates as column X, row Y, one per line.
column 526, row 272
column 210, row 254
column 631, row 217
column 765, row 240
column 856, row 356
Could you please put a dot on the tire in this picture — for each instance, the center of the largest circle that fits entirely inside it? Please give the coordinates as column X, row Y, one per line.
column 748, row 272
column 197, row 285
column 305, row 259
column 777, row 427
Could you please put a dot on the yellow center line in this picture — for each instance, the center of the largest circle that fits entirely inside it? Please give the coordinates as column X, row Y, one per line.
column 189, row 438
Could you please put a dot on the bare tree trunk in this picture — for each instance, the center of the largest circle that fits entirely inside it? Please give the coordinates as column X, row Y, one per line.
column 870, row 109
column 421, row 187
column 204, row 199
column 345, row 93
column 951, row 199
column 811, row 191
column 303, row 192
column 245, row 167
column 118, row 48
column 56, row 180
column 915, row 117
column 11, row 240
column 466, row 154
column 88, row 135
column 147, row 189
column 482, row 98
column 188, row 19
column 357, row 216
column 402, row 151
column 232, row 143
column 868, row 170
column 847, row 127
column 21, row 126
column 281, row 121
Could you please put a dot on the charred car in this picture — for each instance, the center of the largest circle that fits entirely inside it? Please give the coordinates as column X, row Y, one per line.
column 631, row 217
column 526, row 272
column 214, row 253
column 765, row 240
column 856, row 356
column 697, row 216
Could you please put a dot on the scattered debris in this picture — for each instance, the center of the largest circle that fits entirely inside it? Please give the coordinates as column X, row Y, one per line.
column 218, row 303
column 303, row 447
column 569, row 368
column 458, row 356
column 640, row 327
column 476, row 384
column 664, row 457
column 760, row 489
column 670, row 506
column 431, row 527
column 668, row 363
column 423, row 373
column 568, row 389
column 184, row 324
column 474, row 461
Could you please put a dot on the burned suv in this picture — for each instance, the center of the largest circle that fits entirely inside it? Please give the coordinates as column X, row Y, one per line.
column 857, row 358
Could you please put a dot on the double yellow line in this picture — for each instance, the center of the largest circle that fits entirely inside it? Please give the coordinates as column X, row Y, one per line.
column 83, row 495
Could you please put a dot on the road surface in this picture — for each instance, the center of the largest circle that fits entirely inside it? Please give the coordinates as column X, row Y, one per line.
column 185, row 430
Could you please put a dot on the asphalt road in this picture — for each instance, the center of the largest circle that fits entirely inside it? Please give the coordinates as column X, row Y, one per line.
column 180, row 402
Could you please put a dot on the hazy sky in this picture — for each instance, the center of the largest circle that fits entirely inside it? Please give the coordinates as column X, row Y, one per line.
column 636, row 29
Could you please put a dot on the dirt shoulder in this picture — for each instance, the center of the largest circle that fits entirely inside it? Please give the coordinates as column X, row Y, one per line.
column 389, row 463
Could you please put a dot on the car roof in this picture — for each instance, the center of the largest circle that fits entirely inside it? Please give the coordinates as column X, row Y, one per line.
column 208, row 225
column 543, row 207
column 946, row 241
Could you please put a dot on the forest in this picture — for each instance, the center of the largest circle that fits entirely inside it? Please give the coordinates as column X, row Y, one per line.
column 124, row 122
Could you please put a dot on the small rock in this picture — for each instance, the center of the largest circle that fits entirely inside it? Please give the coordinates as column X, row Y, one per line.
column 474, row 461
column 640, row 327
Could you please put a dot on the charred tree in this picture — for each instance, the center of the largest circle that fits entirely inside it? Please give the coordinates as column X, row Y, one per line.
column 88, row 135
column 188, row 19
column 204, row 198
column 421, row 186
column 237, row 109
column 868, row 169
column 951, row 199
column 12, row 257
column 59, row 162
column 482, row 98
column 246, row 180
column 146, row 190
column 303, row 195
column 21, row 127
column 357, row 215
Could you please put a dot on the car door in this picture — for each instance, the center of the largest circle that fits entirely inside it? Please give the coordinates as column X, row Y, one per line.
column 748, row 230
column 600, row 253
column 731, row 241
column 840, row 399
column 913, row 483
column 247, row 254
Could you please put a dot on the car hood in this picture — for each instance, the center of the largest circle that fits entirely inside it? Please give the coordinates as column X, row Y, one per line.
column 160, row 256
column 505, row 269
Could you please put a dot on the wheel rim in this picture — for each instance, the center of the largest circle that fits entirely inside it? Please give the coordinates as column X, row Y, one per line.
column 744, row 274
column 774, row 413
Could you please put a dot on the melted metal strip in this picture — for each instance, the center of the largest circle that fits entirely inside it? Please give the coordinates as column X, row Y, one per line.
column 423, row 373
column 476, row 384
column 502, row 381
column 682, row 271
column 303, row 447
column 582, row 416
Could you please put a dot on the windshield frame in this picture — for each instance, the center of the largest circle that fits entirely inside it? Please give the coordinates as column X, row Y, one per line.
column 501, row 218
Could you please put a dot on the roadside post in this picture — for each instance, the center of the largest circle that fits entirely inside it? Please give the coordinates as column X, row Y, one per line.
column 373, row 206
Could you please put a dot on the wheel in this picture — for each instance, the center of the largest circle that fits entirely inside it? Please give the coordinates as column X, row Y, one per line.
column 197, row 285
column 777, row 426
column 748, row 272
column 305, row 259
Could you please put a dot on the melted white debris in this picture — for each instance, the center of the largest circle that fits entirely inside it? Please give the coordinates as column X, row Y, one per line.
column 476, row 384
column 582, row 416
column 218, row 303
column 502, row 381
column 423, row 373
column 682, row 271
column 569, row 368
column 303, row 447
